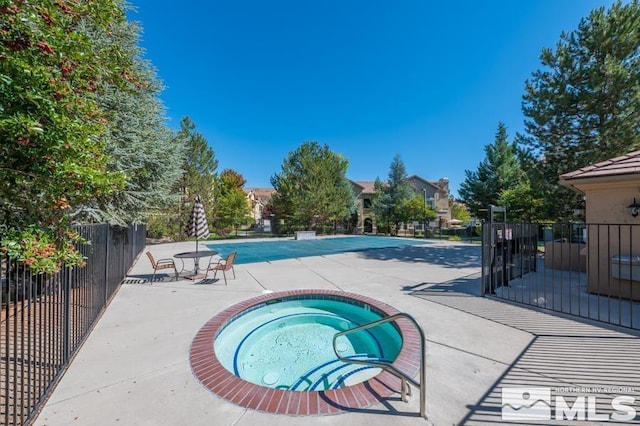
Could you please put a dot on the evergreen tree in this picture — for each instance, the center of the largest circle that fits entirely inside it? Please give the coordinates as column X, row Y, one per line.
column 312, row 187
column 499, row 171
column 138, row 142
column 199, row 169
column 381, row 209
column 393, row 195
column 584, row 106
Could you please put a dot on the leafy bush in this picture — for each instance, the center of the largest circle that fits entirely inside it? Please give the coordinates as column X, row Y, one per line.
column 383, row 229
column 41, row 251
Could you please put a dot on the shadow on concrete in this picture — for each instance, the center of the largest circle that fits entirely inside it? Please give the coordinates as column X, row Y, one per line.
column 206, row 281
column 453, row 256
column 469, row 285
column 146, row 278
column 389, row 403
column 600, row 367
column 572, row 356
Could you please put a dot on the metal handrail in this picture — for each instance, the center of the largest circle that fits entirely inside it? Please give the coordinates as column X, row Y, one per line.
column 388, row 367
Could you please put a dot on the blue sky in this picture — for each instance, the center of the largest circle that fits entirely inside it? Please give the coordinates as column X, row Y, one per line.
column 371, row 79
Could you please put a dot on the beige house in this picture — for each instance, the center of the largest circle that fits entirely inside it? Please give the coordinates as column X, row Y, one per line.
column 611, row 188
column 257, row 199
column 364, row 192
column 435, row 193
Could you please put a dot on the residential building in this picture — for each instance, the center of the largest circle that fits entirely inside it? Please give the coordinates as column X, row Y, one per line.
column 435, row 193
column 364, row 192
column 258, row 198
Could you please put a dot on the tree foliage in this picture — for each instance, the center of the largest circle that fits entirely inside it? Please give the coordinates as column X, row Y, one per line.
column 499, row 171
column 232, row 207
column 312, row 187
column 415, row 209
column 52, row 128
column 523, row 203
column 392, row 195
column 584, row 105
column 459, row 211
column 138, row 142
column 230, row 180
column 199, row 170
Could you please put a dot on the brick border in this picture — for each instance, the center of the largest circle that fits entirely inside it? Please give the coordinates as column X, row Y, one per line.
column 216, row 378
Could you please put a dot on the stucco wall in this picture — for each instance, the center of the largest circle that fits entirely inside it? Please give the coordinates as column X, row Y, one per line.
column 607, row 213
column 565, row 256
column 607, row 202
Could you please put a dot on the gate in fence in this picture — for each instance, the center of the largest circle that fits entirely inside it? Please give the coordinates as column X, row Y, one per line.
column 588, row 270
column 45, row 318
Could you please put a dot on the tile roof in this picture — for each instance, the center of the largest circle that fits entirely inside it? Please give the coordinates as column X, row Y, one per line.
column 440, row 185
column 628, row 164
column 264, row 194
column 367, row 186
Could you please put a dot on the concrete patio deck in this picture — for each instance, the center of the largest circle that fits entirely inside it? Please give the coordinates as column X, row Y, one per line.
column 134, row 367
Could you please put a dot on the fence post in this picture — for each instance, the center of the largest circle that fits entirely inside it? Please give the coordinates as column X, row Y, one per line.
column 134, row 242
column 64, row 275
column 483, row 260
column 106, row 262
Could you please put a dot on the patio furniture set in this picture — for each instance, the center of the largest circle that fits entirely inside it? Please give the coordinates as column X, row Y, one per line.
column 215, row 265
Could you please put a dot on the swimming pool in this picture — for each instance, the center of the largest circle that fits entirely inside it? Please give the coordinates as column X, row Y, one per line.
column 288, row 343
column 268, row 250
column 324, row 386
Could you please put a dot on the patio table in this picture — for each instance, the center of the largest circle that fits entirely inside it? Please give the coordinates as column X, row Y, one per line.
column 196, row 256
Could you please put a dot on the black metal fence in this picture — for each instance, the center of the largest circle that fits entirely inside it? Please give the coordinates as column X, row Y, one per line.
column 45, row 318
column 588, row 270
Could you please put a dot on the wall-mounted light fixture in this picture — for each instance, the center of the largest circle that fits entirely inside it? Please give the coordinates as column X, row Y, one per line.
column 579, row 209
column 635, row 208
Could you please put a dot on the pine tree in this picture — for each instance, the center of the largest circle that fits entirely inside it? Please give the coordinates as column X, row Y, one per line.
column 499, row 171
column 199, row 170
column 312, row 188
column 392, row 195
column 138, row 142
column 584, row 105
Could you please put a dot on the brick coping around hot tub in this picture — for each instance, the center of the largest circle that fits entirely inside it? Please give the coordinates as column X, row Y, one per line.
column 215, row 377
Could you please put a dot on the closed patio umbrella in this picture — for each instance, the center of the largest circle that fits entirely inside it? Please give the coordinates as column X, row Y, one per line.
column 197, row 225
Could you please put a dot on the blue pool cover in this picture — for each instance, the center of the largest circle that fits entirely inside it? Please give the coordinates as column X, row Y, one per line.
column 264, row 251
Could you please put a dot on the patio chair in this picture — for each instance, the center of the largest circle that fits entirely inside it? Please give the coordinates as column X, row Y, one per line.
column 222, row 265
column 161, row 264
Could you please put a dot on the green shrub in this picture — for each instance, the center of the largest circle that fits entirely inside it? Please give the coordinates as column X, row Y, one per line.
column 383, row 229
column 41, row 251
